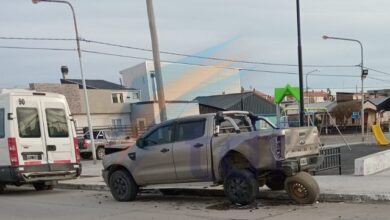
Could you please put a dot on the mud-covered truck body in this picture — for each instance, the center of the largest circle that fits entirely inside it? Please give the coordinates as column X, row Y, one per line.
column 233, row 148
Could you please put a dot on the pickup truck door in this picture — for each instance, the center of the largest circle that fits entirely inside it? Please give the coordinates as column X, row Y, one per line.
column 154, row 160
column 190, row 150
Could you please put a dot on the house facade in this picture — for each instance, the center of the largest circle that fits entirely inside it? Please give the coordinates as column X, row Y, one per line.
column 109, row 103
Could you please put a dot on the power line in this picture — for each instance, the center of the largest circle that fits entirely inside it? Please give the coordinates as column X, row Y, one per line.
column 378, row 71
column 175, row 53
column 185, row 63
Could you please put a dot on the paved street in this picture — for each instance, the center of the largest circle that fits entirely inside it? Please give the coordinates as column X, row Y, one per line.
column 25, row 203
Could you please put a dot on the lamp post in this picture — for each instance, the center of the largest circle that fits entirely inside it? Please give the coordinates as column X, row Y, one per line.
column 307, row 88
column 364, row 73
column 81, row 71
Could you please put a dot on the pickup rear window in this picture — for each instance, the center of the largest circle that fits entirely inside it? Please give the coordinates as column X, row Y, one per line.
column 28, row 122
column 190, row 130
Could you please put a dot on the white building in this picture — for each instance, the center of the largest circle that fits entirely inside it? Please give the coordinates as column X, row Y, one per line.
column 182, row 82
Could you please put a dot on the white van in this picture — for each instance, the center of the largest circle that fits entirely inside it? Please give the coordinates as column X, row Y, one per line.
column 38, row 143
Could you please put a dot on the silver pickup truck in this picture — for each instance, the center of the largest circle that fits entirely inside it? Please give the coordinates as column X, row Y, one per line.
column 234, row 148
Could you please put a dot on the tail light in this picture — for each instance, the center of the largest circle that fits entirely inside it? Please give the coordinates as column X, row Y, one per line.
column 13, row 151
column 76, row 149
column 86, row 144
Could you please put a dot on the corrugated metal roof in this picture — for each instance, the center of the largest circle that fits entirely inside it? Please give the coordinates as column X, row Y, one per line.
column 96, row 84
column 378, row 101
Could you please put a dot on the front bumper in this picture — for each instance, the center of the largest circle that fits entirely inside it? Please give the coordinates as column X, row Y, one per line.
column 37, row 173
column 305, row 163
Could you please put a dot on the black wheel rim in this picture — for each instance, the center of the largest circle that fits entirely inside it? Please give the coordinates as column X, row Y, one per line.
column 238, row 188
column 299, row 190
column 120, row 186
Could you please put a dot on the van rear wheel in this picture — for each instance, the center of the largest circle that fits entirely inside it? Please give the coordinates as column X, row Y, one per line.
column 2, row 187
column 41, row 186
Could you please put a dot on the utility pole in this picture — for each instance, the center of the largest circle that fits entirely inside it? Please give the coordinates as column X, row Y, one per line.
column 301, row 101
column 156, row 59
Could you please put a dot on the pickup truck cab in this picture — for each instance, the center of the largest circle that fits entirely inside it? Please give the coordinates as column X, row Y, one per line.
column 233, row 148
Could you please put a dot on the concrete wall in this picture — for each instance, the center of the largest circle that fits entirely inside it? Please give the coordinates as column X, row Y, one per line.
column 372, row 163
column 150, row 111
column 70, row 91
column 101, row 120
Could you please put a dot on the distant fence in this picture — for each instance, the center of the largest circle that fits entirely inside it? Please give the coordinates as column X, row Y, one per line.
column 332, row 159
column 118, row 131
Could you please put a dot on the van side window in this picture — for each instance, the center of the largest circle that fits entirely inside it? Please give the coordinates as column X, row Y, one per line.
column 56, row 122
column 2, row 122
column 28, row 122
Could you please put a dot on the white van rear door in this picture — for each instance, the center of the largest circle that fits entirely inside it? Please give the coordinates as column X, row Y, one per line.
column 58, row 131
column 31, row 136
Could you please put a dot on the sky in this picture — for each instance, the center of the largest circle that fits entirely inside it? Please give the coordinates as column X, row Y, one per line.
column 261, row 31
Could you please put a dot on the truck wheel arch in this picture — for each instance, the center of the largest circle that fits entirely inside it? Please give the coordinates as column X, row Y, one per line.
column 233, row 160
column 114, row 168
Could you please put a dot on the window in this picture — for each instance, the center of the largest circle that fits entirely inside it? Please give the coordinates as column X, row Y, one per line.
column 161, row 135
column 2, row 122
column 136, row 95
column 190, row 130
column 57, row 123
column 28, row 122
column 116, row 122
column 117, row 98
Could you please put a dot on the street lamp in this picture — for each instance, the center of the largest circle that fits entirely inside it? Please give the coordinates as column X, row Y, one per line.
column 364, row 73
column 81, row 70
column 307, row 88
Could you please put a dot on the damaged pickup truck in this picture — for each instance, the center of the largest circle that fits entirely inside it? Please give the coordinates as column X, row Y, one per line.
column 234, row 148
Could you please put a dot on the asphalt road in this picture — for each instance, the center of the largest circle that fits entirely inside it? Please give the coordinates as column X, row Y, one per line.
column 25, row 204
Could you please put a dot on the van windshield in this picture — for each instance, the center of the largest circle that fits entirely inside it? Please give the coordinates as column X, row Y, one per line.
column 28, row 122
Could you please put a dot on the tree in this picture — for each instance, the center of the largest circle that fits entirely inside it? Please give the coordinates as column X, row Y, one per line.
column 343, row 111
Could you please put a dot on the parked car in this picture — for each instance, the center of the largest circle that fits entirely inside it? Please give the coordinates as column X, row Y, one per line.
column 225, row 148
column 100, row 140
column 38, row 143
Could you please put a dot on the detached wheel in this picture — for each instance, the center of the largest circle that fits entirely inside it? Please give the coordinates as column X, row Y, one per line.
column 276, row 181
column 302, row 188
column 41, row 186
column 100, row 153
column 241, row 187
column 122, row 186
column 86, row 155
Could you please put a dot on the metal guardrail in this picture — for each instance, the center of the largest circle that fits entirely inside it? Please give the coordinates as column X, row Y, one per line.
column 332, row 159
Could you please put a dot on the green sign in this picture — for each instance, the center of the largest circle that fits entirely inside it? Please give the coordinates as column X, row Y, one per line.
column 280, row 93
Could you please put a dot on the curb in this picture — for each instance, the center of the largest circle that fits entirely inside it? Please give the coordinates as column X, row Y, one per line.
column 264, row 194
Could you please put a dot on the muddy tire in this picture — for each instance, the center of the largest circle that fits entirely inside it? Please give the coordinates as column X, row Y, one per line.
column 100, row 152
column 40, row 186
column 123, row 187
column 302, row 188
column 86, row 155
column 241, row 187
column 276, row 181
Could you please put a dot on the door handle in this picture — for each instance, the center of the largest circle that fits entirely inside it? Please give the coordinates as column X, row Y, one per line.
column 164, row 150
column 198, row 145
column 51, row 148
